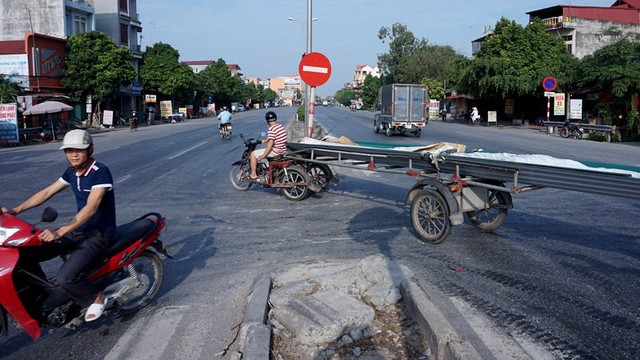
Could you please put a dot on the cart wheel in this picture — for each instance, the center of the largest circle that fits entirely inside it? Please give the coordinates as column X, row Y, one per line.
column 389, row 131
column 320, row 177
column 417, row 133
column 295, row 192
column 430, row 216
column 491, row 218
column 376, row 129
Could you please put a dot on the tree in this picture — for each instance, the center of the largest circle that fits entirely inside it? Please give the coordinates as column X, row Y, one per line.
column 162, row 73
column 8, row 91
column 513, row 61
column 269, row 95
column 216, row 80
column 402, row 43
column 615, row 69
column 370, row 88
column 436, row 90
column 96, row 66
column 344, row 96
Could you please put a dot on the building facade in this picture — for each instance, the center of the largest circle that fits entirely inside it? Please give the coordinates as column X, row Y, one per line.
column 119, row 19
column 361, row 73
column 586, row 29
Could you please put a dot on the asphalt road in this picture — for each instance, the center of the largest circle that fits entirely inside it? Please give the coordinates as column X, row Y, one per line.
column 563, row 269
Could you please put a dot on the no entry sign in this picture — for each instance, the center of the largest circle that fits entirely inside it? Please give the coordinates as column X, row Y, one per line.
column 314, row 69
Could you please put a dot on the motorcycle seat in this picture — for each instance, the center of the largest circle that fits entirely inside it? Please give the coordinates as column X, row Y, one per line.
column 127, row 234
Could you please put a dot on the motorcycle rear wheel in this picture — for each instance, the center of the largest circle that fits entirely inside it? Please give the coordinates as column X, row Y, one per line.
column 149, row 269
column 238, row 176
column 564, row 133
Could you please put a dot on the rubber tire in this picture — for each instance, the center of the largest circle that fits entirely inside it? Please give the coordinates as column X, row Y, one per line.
column 235, row 175
column 296, row 193
column 492, row 218
column 375, row 127
column 417, row 133
column 564, row 133
column 319, row 174
column 430, row 216
column 578, row 134
column 389, row 131
column 149, row 295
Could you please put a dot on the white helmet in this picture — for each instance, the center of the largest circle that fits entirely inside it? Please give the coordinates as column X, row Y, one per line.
column 76, row 139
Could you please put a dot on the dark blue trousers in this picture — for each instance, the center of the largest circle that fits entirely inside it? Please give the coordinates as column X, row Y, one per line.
column 82, row 252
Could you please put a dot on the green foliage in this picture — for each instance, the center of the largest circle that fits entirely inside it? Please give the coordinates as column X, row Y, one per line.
column 370, row 89
column 402, row 43
column 163, row 74
column 96, row 66
column 8, row 91
column 270, row 95
column 513, row 61
column 344, row 96
column 616, row 67
column 216, row 80
column 436, row 91
column 301, row 113
column 602, row 137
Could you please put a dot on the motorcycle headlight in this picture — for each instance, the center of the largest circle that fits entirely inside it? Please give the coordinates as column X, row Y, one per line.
column 6, row 233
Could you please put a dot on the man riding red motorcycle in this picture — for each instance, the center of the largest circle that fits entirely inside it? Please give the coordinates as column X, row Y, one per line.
column 88, row 241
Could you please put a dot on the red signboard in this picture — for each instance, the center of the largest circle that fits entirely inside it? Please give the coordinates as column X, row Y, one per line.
column 314, row 69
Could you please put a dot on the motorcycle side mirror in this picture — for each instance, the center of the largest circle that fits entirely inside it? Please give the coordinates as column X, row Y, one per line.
column 263, row 134
column 49, row 215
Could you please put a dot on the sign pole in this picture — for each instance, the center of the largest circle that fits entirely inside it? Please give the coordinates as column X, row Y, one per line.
column 312, row 104
column 548, row 106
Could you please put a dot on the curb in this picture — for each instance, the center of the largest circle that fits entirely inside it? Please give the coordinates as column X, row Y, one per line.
column 441, row 337
column 255, row 333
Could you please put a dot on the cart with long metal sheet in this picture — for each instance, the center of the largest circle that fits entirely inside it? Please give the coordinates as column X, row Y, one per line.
column 450, row 185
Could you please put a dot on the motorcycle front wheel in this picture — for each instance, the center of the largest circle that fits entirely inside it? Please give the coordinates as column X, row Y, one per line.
column 147, row 272
column 239, row 176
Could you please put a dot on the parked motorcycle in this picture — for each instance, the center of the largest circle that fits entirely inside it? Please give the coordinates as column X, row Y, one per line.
column 225, row 130
column 572, row 130
column 281, row 173
column 130, row 274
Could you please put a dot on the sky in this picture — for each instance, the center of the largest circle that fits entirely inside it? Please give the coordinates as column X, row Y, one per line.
column 257, row 36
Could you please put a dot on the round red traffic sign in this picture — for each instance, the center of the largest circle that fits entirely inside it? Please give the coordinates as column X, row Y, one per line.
column 314, row 69
column 549, row 83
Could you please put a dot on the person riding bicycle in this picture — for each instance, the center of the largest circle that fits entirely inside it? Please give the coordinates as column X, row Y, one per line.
column 224, row 117
column 86, row 237
column 276, row 143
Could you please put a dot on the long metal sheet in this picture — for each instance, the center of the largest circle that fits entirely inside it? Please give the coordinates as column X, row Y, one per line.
column 581, row 180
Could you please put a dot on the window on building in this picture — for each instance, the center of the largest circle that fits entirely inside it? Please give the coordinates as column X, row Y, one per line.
column 570, row 48
column 124, row 5
column 79, row 24
column 567, row 38
column 124, row 34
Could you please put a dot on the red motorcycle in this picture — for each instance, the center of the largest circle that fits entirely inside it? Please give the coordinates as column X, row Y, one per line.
column 129, row 274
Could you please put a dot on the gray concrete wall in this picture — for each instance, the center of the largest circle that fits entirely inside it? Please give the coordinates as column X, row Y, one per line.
column 47, row 17
column 589, row 36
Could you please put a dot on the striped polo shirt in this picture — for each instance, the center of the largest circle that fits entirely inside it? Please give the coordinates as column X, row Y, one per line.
column 278, row 134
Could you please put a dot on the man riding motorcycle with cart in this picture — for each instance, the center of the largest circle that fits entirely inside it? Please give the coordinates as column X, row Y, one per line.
column 84, row 239
column 276, row 143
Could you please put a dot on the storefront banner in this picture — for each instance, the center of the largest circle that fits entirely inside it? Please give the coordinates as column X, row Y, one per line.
column 166, row 109
column 559, row 104
column 8, row 123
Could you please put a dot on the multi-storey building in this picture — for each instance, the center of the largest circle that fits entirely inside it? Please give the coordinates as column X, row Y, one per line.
column 361, row 73
column 120, row 20
column 586, row 29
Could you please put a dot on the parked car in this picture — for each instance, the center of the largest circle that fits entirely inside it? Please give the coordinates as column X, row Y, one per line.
column 240, row 107
column 177, row 116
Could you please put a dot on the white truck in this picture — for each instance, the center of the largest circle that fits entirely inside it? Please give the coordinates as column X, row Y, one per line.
column 402, row 108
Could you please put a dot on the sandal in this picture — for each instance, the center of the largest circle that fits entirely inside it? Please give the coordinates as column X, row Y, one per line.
column 95, row 311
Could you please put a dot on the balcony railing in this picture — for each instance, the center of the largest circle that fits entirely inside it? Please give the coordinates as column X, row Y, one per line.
column 558, row 22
